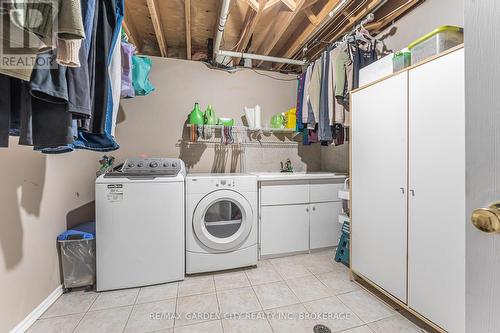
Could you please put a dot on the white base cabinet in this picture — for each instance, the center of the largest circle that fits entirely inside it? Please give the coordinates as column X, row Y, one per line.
column 298, row 216
column 408, row 188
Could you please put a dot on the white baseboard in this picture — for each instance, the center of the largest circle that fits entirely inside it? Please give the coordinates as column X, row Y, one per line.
column 38, row 311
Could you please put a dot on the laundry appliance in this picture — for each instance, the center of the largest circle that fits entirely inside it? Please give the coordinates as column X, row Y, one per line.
column 221, row 222
column 140, row 224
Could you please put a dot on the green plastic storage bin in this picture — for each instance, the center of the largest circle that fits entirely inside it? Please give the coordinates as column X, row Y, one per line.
column 435, row 42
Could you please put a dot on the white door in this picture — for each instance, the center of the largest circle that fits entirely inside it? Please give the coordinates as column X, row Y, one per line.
column 378, row 182
column 284, row 229
column 223, row 220
column 325, row 228
column 436, row 225
column 483, row 161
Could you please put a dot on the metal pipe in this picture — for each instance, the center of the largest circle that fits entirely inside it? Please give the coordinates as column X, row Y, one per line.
column 224, row 12
column 261, row 57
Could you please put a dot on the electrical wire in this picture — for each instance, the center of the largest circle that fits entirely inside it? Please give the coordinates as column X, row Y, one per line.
column 270, row 76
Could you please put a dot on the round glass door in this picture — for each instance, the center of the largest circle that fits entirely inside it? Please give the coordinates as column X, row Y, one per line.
column 222, row 220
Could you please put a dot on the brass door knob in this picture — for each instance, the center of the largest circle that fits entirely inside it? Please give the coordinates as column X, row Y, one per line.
column 487, row 219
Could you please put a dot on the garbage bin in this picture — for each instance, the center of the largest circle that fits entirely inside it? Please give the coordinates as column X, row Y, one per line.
column 77, row 247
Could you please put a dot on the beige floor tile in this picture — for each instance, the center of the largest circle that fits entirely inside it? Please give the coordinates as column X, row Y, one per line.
column 158, row 293
column 360, row 329
column 338, row 282
column 332, row 313
column 115, row 298
column 326, row 252
column 150, row 317
column 104, row 321
column 196, row 285
column 263, row 274
column 290, row 267
column 232, row 280
column 64, row 324
column 274, row 295
column 291, row 319
column 71, row 303
column 318, row 264
column 238, row 301
column 366, row 306
column 207, row 327
column 395, row 323
column 309, row 288
column 242, row 324
column 195, row 309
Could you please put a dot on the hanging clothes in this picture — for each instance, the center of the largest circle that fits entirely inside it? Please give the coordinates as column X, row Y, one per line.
column 361, row 58
column 115, row 74
column 314, row 92
column 305, row 99
column 300, row 98
column 324, row 129
column 127, row 51
column 140, row 73
column 343, row 73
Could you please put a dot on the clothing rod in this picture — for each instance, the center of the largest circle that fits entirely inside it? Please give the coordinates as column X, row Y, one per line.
column 261, row 57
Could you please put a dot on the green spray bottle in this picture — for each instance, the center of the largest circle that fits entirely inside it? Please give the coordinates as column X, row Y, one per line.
column 210, row 118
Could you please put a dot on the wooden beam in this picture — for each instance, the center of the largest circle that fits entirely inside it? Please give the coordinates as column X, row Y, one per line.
column 254, row 4
column 290, row 4
column 271, row 3
column 311, row 16
column 357, row 17
column 187, row 15
column 157, row 25
column 251, row 21
column 383, row 21
column 279, row 28
column 128, row 32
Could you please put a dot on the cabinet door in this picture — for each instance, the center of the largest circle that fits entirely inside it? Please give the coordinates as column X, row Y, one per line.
column 325, row 228
column 378, row 182
column 284, row 229
column 436, row 229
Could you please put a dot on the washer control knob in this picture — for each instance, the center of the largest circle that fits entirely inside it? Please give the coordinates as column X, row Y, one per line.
column 140, row 165
column 131, row 165
column 174, row 164
column 153, row 164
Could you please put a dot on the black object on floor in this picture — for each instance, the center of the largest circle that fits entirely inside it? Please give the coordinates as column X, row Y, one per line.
column 321, row 329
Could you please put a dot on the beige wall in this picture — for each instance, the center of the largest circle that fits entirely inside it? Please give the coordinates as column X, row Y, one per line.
column 39, row 196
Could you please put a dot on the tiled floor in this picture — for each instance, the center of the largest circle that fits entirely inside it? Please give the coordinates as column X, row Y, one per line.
column 289, row 295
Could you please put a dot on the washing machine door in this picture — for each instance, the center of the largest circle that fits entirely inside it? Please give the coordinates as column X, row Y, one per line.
column 223, row 220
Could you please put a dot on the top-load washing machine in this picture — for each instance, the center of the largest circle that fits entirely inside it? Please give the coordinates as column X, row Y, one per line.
column 221, row 222
column 140, row 224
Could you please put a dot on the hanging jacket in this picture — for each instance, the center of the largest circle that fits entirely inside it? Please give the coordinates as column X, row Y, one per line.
column 315, row 90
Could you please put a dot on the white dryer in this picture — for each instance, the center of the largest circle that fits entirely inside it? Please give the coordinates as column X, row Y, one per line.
column 221, row 222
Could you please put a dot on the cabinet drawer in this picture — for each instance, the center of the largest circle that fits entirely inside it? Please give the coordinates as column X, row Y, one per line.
column 326, row 190
column 284, row 192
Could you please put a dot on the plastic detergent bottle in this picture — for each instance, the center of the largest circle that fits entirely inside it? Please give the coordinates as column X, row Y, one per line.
column 196, row 116
column 210, row 118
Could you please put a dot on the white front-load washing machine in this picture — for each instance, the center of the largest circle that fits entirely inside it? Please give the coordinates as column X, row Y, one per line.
column 221, row 222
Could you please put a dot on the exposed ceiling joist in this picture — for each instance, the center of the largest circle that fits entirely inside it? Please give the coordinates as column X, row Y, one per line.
column 290, row 4
column 279, row 28
column 355, row 18
column 271, row 3
column 254, row 4
column 130, row 34
column 383, row 21
column 187, row 15
column 251, row 21
column 311, row 16
column 162, row 42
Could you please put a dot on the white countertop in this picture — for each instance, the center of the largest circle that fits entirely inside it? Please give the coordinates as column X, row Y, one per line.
column 270, row 176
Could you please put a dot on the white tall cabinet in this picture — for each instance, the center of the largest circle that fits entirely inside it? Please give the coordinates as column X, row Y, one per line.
column 408, row 188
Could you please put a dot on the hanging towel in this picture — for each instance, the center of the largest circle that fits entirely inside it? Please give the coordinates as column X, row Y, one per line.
column 141, row 67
